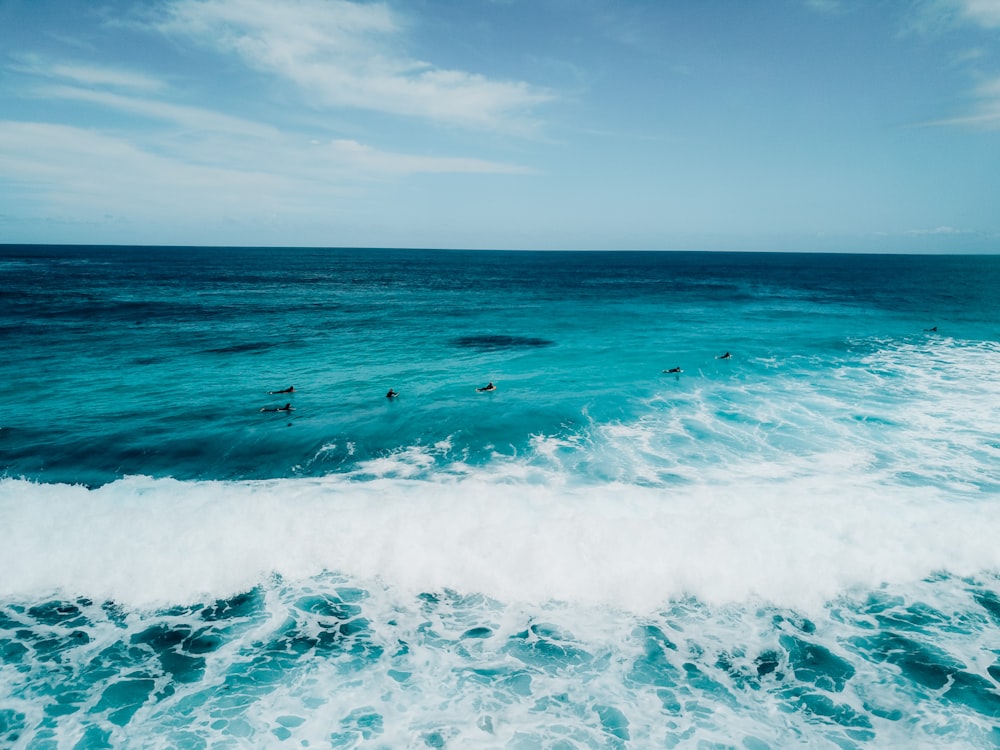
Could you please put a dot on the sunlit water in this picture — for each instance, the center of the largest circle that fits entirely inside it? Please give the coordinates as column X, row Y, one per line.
column 795, row 546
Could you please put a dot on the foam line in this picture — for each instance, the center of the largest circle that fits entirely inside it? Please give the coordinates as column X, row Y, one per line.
column 147, row 542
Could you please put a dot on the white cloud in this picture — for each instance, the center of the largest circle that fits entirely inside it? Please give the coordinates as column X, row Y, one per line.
column 69, row 172
column 937, row 231
column 986, row 115
column 158, row 158
column 934, row 15
column 983, row 12
column 194, row 118
column 183, row 151
column 78, row 173
column 367, row 160
column 968, row 56
column 348, row 54
column 823, row 6
column 95, row 82
column 89, row 75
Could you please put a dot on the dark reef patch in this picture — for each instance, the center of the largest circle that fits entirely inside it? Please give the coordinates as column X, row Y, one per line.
column 255, row 346
column 490, row 343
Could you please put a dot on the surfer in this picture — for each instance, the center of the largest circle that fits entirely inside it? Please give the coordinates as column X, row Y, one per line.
column 931, row 330
column 391, row 394
column 673, row 370
column 488, row 387
column 727, row 355
column 289, row 389
column 286, row 407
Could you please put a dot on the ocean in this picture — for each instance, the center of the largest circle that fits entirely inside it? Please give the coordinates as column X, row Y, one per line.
column 792, row 541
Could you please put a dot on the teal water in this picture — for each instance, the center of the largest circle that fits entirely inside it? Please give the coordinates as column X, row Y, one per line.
column 791, row 546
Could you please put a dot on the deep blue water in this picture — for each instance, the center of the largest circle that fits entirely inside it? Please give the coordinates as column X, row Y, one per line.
column 791, row 546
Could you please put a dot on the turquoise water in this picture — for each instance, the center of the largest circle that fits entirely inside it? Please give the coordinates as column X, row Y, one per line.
column 791, row 546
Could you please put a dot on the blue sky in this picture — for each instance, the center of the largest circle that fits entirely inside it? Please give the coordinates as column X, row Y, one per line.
column 831, row 125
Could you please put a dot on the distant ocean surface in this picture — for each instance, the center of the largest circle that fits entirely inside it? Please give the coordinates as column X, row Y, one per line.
column 797, row 545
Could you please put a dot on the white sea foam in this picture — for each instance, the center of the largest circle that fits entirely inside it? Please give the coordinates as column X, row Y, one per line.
column 795, row 542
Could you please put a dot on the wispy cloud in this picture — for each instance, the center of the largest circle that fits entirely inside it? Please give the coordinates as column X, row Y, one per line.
column 967, row 56
column 88, row 75
column 128, row 92
column 935, row 16
column 348, row 54
column 75, row 172
column 823, row 6
column 181, row 155
column 368, row 160
column 936, row 232
column 983, row 12
column 67, row 171
column 986, row 114
column 191, row 118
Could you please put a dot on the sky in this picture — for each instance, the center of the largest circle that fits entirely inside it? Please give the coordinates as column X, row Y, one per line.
column 784, row 125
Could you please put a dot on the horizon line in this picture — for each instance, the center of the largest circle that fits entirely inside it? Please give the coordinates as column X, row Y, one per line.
column 375, row 248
